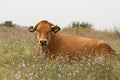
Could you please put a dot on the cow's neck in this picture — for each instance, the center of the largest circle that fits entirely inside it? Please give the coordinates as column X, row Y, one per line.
column 54, row 41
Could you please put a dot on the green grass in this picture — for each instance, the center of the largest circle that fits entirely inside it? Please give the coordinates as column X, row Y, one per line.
column 18, row 59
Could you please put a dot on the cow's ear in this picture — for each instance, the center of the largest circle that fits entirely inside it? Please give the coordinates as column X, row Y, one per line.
column 55, row 29
column 31, row 29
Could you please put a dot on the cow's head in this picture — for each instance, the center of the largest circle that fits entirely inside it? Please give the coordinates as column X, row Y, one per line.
column 44, row 29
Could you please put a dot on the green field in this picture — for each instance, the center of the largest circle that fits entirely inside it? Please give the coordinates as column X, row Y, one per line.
column 18, row 58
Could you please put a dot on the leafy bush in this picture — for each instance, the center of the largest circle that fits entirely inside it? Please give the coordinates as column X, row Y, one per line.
column 85, row 25
column 82, row 24
column 7, row 23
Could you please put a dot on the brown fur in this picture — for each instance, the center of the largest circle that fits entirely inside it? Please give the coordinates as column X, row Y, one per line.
column 67, row 46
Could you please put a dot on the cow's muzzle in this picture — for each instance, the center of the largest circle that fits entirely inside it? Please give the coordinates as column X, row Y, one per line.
column 43, row 42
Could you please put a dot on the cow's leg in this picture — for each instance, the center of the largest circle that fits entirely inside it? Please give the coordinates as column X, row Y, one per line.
column 43, row 52
column 39, row 55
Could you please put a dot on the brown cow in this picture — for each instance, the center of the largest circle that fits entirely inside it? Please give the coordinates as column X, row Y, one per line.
column 53, row 43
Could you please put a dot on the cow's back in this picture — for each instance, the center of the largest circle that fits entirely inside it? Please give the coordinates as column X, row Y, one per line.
column 74, row 46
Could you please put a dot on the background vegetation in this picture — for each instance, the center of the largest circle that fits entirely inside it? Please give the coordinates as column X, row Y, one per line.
column 82, row 24
column 18, row 58
column 8, row 24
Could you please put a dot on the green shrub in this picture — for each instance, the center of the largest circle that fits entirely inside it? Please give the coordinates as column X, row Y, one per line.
column 82, row 24
column 7, row 23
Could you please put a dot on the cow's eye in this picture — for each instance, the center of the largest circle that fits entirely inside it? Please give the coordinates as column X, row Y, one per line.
column 37, row 30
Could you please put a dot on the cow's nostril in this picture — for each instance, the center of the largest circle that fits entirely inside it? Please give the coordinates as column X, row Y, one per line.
column 43, row 42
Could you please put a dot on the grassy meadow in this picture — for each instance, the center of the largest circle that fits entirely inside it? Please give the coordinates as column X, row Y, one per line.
column 18, row 58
